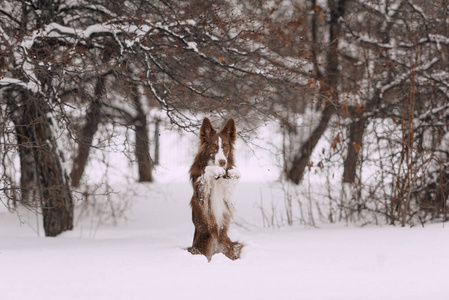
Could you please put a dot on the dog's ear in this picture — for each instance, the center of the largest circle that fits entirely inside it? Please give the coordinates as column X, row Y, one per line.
column 229, row 130
column 206, row 131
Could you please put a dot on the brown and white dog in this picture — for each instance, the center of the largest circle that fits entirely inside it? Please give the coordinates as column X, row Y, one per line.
column 213, row 178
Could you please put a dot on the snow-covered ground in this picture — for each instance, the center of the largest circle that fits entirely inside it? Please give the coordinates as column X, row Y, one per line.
column 144, row 257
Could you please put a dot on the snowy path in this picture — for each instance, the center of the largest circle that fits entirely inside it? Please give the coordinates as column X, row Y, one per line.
column 144, row 259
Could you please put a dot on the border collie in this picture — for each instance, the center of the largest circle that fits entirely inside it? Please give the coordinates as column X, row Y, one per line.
column 213, row 178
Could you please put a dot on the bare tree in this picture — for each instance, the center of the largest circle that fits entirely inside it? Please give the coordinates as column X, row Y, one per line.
column 78, row 65
column 28, row 88
column 392, row 68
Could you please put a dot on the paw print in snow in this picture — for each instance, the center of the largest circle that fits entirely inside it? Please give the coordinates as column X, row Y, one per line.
column 214, row 172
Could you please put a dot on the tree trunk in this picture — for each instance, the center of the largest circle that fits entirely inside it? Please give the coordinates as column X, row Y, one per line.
column 301, row 159
column 329, row 90
column 356, row 131
column 144, row 162
column 156, row 141
column 93, row 118
column 143, row 151
column 27, row 166
column 55, row 196
column 28, row 178
column 442, row 193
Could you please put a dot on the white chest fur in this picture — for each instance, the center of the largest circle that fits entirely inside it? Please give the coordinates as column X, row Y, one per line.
column 218, row 200
column 220, row 192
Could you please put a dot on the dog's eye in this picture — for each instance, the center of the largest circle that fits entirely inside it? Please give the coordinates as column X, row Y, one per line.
column 225, row 147
column 214, row 147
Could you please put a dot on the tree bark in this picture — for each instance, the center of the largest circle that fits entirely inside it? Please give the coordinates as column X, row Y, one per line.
column 442, row 193
column 144, row 162
column 25, row 149
column 143, row 151
column 296, row 172
column 27, row 166
column 356, row 130
column 156, row 141
column 56, row 199
column 93, row 118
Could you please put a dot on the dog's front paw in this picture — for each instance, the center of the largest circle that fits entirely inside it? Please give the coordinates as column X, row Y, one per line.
column 214, row 172
column 234, row 174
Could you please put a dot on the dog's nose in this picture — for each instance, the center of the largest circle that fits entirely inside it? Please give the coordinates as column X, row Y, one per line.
column 222, row 162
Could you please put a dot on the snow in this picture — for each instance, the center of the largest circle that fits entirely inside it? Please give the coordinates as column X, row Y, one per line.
column 12, row 81
column 190, row 22
column 145, row 257
column 193, row 46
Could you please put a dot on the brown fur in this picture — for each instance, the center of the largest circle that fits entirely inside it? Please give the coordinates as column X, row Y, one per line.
column 210, row 238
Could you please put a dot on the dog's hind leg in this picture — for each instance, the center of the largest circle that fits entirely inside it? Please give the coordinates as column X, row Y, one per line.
column 204, row 243
column 231, row 249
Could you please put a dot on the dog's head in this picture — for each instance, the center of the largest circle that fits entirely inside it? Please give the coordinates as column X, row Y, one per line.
column 219, row 145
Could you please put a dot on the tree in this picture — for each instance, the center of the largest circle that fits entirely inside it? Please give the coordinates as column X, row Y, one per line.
column 31, row 102
column 329, row 88
column 403, row 52
column 389, row 64
column 112, row 61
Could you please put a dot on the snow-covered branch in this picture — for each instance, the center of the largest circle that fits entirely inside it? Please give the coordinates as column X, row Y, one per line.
column 404, row 76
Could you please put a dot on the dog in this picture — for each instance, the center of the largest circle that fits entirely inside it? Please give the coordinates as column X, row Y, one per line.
column 213, row 176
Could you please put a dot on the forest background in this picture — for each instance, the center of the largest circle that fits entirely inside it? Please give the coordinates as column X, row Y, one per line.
column 353, row 91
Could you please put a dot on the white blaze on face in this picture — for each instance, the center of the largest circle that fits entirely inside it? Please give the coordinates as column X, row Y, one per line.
column 220, row 155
